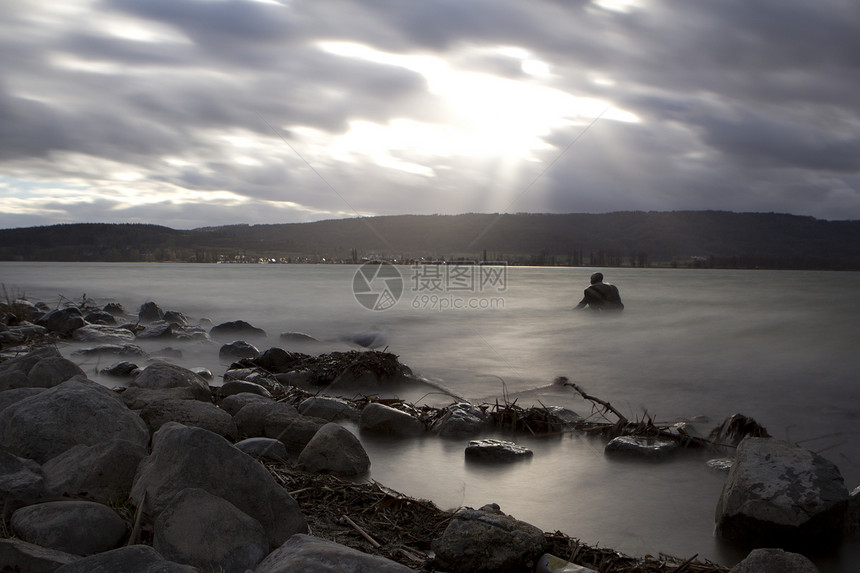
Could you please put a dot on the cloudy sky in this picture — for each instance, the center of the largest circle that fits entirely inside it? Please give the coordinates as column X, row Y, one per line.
column 190, row 113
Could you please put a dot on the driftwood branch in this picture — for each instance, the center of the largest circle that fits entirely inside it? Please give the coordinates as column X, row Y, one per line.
column 606, row 405
column 363, row 533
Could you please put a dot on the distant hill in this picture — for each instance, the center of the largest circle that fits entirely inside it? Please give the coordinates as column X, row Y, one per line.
column 678, row 238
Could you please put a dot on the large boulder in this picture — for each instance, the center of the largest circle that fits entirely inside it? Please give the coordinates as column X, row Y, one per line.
column 62, row 320
column 277, row 420
column 49, row 372
column 9, row 397
column 13, row 372
column 77, row 411
column 162, row 375
column 18, row 555
column 381, row 419
column 774, row 561
column 334, row 449
column 190, row 413
column 184, row 457
column 131, row 559
column 314, row 555
column 103, row 472
column 77, row 527
column 780, row 495
column 488, row 541
column 21, row 482
column 209, row 532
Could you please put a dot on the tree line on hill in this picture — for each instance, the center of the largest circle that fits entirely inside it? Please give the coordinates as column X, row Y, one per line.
column 632, row 238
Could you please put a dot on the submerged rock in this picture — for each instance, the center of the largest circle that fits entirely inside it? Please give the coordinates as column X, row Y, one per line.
column 149, row 312
column 236, row 327
column 238, row 349
column 496, row 451
column 780, row 495
column 640, row 447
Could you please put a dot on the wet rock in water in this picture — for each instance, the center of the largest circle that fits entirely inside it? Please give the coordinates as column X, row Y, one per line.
column 235, row 402
column 132, row 558
column 120, row 369
column 297, row 337
column 566, row 416
column 780, row 495
column 488, row 541
column 312, row 554
column 168, row 352
column 190, row 413
column 256, row 375
column 721, row 464
column 240, row 386
column 62, row 320
column 17, row 555
column 149, row 312
column 776, row 561
column 103, row 334
column 381, row 419
column 114, row 308
column 277, row 420
column 77, row 527
column 336, row 450
column 461, row 420
column 77, row 411
column 208, row 532
column 121, row 350
column 21, row 482
column 175, row 318
column 156, row 329
column 238, row 349
column 331, row 409
column 161, row 375
column 227, row 330
column 267, row 448
column 100, row 317
column 202, row 371
column 640, row 447
column 184, row 457
column 496, row 451
column 102, row 472
column 277, row 360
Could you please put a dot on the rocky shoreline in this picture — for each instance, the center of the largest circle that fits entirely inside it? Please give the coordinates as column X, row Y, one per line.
column 169, row 473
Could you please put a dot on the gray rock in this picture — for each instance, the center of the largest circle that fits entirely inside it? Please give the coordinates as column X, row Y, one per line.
column 185, row 457
column 9, row 397
column 227, row 330
column 486, row 540
column 238, row 349
column 140, row 398
column 50, row 372
column 721, row 464
column 175, row 317
column 267, row 448
column 331, row 409
column 156, row 329
column 13, row 372
column 277, row 360
column 381, row 419
column 779, row 495
column 149, row 312
column 122, row 369
column 200, row 529
column 100, row 317
column 190, row 413
column 255, row 375
column 239, row 386
column 774, row 561
column 119, row 350
column 21, row 482
column 314, row 555
column 77, row 411
column 161, row 375
column 18, row 555
column 461, row 420
column 280, row 421
column 496, row 451
column 131, row 559
column 77, row 527
column 62, row 320
column 103, row 334
column 203, row 372
column 334, row 449
column 640, row 447
column 233, row 403
column 103, row 472
column 114, row 309
column 297, row 337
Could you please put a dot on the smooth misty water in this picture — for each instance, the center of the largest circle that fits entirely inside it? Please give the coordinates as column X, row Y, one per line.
column 775, row 345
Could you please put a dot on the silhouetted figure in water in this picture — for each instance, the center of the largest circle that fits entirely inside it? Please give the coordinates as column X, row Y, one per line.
column 601, row 296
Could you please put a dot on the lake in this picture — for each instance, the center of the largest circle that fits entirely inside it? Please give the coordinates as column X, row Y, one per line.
column 778, row 346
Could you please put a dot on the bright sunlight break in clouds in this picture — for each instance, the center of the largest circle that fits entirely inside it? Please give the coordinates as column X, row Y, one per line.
column 192, row 113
